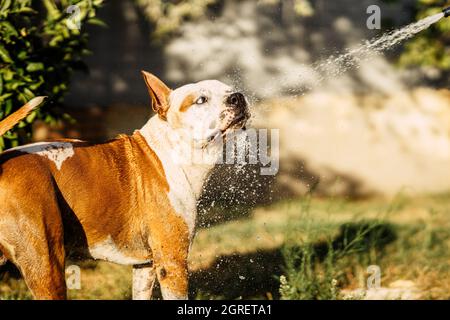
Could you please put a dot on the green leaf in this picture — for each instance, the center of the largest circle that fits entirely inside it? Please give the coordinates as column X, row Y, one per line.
column 13, row 84
column 5, row 5
column 22, row 98
column 28, row 94
column 35, row 66
column 36, row 85
column 22, row 55
column 8, row 28
column 56, row 40
column 52, row 10
column 4, row 55
column 15, row 142
column 49, row 119
column 3, row 97
column 8, row 107
column 26, row 10
column 86, row 52
column 7, row 74
column 30, row 118
column 98, row 3
column 98, row 22
column 10, row 135
column 66, row 33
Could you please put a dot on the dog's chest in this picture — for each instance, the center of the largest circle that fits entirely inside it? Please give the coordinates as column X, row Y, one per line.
column 181, row 194
column 181, row 181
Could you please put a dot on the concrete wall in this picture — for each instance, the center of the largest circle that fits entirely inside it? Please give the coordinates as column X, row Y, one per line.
column 265, row 49
column 119, row 52
column 364, row 131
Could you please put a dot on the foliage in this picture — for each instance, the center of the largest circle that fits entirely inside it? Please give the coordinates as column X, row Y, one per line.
column 429, row 48
column 432, row 46
column 168, row 15
column 40, row 47
column 305, row 281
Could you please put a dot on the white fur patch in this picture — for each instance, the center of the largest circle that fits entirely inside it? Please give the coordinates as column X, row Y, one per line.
column 169, row 295
column 108, row 251
column 184, row 175
column 57, row 152
column 181, row 194
column 202, row 120
column 143, row 281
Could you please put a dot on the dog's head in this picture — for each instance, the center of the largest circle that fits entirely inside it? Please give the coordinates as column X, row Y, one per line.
column 206, row 110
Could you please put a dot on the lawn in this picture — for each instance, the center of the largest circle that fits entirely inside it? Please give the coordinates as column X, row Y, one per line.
column 321, row 248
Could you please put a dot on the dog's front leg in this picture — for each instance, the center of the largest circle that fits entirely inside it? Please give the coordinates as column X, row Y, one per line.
column 173, row 279
column 171, row 264
column 170, row 241
column 143, row 281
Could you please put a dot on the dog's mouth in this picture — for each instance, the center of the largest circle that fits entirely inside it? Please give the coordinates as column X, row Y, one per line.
column 235, row 123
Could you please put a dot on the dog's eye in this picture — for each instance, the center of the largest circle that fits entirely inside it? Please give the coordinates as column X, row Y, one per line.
column 201, row 100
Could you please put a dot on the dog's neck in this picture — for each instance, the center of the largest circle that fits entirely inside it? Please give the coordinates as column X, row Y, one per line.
column 180, row 158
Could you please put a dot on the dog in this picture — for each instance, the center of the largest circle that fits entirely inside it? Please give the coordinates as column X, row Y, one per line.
column 131, row 200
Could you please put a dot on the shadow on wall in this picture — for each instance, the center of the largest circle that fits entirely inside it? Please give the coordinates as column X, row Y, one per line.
column 120, row 51
column 299, row 178
column 267, row 50
column 96, row 124
column 263, row 48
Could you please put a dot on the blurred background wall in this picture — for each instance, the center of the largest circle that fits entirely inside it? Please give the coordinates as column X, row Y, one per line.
column 263, row 47
column 371, row 130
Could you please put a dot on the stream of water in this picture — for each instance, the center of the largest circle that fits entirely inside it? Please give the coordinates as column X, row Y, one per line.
column 335, row 66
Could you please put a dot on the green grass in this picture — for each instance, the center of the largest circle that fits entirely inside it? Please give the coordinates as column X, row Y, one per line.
column 310, row 248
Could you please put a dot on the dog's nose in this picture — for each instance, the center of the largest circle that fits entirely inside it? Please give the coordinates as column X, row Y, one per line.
column 237, row 100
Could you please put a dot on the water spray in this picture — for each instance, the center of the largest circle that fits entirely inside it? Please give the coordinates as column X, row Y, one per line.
column 446, row 12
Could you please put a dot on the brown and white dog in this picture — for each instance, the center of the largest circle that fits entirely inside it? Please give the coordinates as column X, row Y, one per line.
column 131, row 200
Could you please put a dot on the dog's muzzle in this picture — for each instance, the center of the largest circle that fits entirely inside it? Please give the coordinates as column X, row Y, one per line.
column 236, row 114
column 234, row 117
column 237, row 100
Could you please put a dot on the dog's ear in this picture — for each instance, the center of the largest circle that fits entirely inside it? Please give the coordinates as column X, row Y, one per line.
column 159, row 93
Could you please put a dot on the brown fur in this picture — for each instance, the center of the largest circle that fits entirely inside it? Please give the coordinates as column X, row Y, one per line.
column 187, row 103
column 115, row 189
column 13, row 119
column 109, row 200
column 159, row 94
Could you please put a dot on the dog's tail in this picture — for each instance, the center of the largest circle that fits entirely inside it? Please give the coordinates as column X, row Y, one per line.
column 10, row 121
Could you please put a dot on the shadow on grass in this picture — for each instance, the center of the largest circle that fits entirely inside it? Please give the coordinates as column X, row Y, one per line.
column 239, row 276
column 358, row 237
column 9, row 270
column 230, row 194
column 255, row 275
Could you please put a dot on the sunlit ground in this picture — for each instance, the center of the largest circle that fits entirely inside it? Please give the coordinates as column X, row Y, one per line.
column 408, row 238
